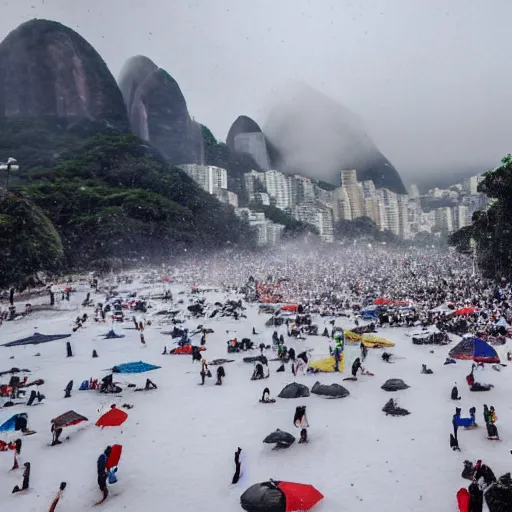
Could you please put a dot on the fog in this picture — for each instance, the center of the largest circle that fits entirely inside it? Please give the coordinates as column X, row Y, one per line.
column 431, row 81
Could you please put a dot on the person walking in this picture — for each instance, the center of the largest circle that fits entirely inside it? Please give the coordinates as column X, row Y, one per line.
column 101, row 467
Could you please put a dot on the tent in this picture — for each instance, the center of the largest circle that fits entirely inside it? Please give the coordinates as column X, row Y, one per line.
column 381, row 301
column 279, row 497
column 113, row 418
column 136, row 367
column 290, row 308
column 294, row 390
column 36, row 339
column 280, row 438
column 476, row 349
column 68, row 419
column 330, row 391
column 368, row 340
column 14, row 422
column 327, row 364
column 394, row 385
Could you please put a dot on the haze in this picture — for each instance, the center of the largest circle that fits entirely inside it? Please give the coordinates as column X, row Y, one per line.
column 430, row 80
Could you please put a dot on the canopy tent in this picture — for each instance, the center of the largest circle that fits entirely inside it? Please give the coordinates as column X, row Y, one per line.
column 36, row 339
column 135, row 367
column 290, row 308
column 476, row 349
column 327, row 364
column 13, row 422
column 294, row 390
column 330, row 391
column 381, row 301
column 113, row 418
column 280, row 497
column 68, row 419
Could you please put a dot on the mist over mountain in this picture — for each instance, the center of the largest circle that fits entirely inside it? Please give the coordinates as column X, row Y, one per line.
column 315, row 136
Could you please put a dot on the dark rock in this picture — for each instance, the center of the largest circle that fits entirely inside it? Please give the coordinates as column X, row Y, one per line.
column 246, row 137
column 308, row 132
column 158, row 112
column 48, row 70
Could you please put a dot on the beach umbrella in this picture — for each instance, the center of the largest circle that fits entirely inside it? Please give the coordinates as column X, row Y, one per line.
column 280, row 437
column 68, row 419
column 466, row 311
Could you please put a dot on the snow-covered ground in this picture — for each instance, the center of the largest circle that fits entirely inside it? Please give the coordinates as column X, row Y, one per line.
column 179, row 441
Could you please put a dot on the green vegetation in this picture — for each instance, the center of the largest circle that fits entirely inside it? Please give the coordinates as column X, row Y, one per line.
column 111, row 197
column 292, row 228
column 29, row 242
column 491, row 232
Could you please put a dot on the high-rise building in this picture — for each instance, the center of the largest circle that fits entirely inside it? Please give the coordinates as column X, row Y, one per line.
column 443, row 220
column 260, row 197
column 460, row 215
column 354, row 192
column 369, row 199
column 414, row 191
column 278, row 188
column 318, row 215
column 341, row 205
column 209, row 177
column 403, row 216
column 392, row 211
column 471, row 185
column 254, row 182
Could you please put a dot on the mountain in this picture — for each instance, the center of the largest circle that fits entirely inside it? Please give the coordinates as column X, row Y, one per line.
column 47, row 69
column 158, row 112
column 310, row 134
column 246, row 137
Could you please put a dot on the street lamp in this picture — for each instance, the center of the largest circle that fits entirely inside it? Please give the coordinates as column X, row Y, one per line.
column 10, row 165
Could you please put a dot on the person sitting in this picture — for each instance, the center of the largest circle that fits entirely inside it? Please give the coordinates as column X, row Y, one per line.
column 265, row 397
column 425, row 370
column 220, row 374
column 455, row 393
column 258, row 372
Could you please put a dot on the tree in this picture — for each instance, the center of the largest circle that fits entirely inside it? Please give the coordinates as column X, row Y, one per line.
column 491, row 228
column 29, row 242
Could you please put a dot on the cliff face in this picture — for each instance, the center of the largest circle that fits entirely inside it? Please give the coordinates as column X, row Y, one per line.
column 246, row 137
column 158, row 112
column 47, row 69
column 310, row 134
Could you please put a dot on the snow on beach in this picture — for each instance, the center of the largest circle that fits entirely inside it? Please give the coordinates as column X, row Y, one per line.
column 179, row 440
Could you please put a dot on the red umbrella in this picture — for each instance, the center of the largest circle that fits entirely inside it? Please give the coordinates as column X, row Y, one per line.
column 299, row 497
column 113, row 418
column 466, row 311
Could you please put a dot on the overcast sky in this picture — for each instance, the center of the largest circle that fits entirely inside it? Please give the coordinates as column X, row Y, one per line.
column 432, row 79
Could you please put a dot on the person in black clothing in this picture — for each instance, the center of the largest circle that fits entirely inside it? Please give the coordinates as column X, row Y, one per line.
column 485, row 472
column 238, row 466
column 26, row 479
column 220, row 373
column 476, row 498
column 356, row 365
column 56, row 431
column 455, row 393
column 102, row 471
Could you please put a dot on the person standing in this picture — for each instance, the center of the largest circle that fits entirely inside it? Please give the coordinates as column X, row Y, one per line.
column 238, row 466
column 26, row 479
column 57, row 498
column 101, row 467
